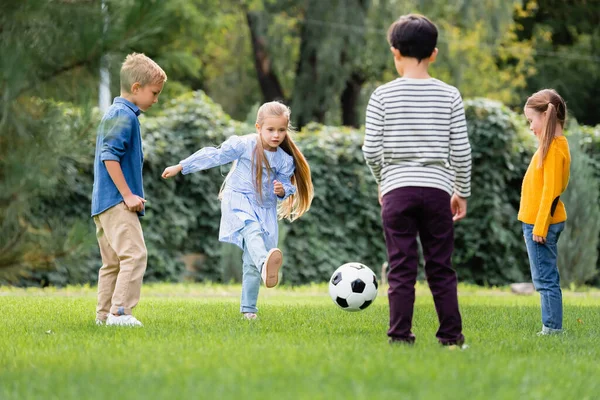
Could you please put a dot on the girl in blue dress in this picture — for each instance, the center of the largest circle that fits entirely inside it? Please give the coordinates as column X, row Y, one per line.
column 270, row 180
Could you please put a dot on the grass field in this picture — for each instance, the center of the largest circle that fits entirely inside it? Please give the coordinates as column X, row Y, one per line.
column 195, row 345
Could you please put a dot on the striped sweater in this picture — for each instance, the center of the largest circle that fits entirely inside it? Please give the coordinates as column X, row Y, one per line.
column 416, row 135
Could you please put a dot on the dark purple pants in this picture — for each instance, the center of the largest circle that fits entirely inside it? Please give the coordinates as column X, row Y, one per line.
column 406, row 213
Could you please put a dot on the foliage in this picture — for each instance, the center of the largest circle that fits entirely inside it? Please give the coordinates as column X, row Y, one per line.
column 52, row 53
column 344, row 222
column 43, row 159
column 182, row 215
column 564, row 38
column 578, row 244
column 327, row 61
column 477, row 40
column 328, row 50
column 590, row 142
column 489, row 243
column 467, row 60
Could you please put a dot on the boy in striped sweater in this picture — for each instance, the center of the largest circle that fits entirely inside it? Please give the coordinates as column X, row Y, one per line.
column 417, row 147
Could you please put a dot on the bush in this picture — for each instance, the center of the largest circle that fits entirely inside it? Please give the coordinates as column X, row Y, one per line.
column 344, row 223
column 579, row 245
column 489, row 242
column 42, row 166
column 182, row 215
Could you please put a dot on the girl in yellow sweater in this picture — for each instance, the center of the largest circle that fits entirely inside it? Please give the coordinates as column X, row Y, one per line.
column 541, row 211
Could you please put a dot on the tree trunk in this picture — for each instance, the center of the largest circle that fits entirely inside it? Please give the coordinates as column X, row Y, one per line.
column 306, row 104
column 267, row 79
column 349, row 100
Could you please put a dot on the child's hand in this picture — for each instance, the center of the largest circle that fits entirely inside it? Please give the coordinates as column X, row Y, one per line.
column 171, row 171
column 459, row 207
column 134, row 203
column 278, row 190
column 539, row 239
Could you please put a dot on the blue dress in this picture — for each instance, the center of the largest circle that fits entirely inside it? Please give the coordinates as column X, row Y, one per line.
column 240, row 202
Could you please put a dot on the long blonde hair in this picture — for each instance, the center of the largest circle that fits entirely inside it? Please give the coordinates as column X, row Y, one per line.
column 548, row 100
column 297, row 204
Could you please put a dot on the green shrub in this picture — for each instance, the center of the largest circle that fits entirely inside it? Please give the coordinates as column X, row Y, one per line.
column 579, row 245
column 344, row 223
column 44, row 190
column 489, row 242
column 183, row 214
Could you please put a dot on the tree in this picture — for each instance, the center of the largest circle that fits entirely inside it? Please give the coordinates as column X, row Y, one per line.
column 326, row 72
column 51, row 53
column 343, row 52
column 267, row 78
column 565, row 38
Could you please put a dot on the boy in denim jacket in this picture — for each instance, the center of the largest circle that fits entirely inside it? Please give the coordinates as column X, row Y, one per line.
column 118, row 193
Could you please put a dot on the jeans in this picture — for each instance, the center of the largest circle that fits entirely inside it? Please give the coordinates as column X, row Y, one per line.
column 256, row 246
column 544, row 273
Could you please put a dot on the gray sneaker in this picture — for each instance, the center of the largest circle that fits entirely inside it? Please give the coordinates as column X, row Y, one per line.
column 549, row 331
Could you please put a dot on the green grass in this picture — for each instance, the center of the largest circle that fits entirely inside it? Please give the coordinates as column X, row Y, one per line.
column 195, row 345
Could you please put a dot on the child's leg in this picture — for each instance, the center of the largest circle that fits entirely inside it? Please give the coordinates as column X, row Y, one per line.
column 399, row 212
column 250, row 284
column 436, row 230
column 544, row 273
column 107, row 276
column 254, row 244
column 123, row 232
column 262, row 251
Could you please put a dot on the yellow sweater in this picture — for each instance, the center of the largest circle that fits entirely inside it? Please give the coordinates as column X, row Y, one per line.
column 543, row 186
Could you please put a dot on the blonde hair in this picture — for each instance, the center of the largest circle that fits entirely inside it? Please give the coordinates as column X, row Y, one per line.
column 297, row 204
column 137, row 67
column 548, row 100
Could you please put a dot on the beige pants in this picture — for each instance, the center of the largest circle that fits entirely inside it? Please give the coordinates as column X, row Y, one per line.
column 124, row 256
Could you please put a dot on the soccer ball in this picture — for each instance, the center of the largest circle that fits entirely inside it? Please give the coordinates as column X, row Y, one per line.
column 353, row 287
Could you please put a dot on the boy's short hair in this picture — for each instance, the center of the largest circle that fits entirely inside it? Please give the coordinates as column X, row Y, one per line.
column 414, row 36
column 137, row 67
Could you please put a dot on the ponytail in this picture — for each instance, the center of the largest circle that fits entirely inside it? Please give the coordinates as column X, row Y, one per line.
column 548, row 101
column 547, row 133
column 297, row 204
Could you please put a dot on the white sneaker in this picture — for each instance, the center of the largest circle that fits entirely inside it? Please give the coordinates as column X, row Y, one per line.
column 122, row 320
column 270, row 269
column 549, row 331
column 99, row 322
column 249, row 315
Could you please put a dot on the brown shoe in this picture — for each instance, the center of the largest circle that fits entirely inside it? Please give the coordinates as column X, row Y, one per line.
column 270, row 270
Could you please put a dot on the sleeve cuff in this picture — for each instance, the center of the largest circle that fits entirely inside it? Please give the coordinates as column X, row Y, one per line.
column 185, row 167
column 289, row 190
column 107, row 156
column 543, row 231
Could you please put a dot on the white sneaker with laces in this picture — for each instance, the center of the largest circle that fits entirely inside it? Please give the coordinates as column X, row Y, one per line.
column 122, row 320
